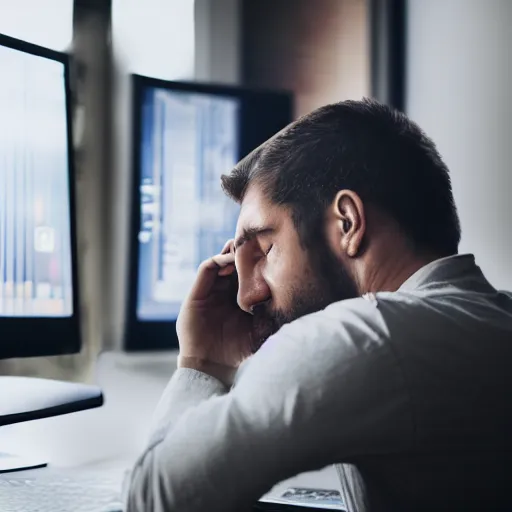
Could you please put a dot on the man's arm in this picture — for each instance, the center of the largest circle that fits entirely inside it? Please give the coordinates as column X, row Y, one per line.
column 324, row 389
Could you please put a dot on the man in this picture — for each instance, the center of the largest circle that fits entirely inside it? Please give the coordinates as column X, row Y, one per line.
column 382, row 350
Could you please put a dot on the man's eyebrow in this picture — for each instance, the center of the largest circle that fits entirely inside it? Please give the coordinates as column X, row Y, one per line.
column 249, row 234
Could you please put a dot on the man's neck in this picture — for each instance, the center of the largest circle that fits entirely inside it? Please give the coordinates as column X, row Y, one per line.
column 388, row 273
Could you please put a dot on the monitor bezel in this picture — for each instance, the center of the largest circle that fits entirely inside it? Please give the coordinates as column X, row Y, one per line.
column 148, row 335
column 48, row 336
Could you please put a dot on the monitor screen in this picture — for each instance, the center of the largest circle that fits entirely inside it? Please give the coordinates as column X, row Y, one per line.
column 35, row 240
column 188, row 140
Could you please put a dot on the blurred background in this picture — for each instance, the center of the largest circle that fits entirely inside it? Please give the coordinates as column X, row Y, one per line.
column 446, row 63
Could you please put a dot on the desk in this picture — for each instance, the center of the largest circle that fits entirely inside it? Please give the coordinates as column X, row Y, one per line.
column 113, row 436
column 132, row 385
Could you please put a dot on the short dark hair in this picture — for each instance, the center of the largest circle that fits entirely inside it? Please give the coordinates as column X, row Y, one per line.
column 363, row 146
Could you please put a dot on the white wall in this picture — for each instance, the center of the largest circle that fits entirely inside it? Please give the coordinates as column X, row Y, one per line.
column 459, row 88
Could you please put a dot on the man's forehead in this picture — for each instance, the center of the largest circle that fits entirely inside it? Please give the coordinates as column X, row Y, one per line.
column 256, row 210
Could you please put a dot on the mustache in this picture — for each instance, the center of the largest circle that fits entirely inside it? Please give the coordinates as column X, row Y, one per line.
column 266, row 322
column 264, row 312
column 260, row 309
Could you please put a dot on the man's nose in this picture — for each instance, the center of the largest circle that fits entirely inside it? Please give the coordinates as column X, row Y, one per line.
column 252, row 288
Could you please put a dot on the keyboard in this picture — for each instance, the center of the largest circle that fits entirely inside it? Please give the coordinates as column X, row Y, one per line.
column 49, row 490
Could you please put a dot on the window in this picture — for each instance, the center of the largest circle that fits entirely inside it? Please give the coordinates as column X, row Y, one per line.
column 47, row 23
column 155, row 37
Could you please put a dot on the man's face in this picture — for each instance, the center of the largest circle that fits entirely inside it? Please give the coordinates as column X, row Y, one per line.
column 279, row 281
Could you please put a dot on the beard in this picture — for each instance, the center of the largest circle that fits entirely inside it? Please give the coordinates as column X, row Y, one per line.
column 328, row 282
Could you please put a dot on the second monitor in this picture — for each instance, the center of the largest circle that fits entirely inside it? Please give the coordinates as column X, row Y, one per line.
column 186, row 135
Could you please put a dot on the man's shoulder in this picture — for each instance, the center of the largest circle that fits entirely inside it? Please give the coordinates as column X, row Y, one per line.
column 380, row 323
column 372, row 318
column 356, row 323
column 376, row 310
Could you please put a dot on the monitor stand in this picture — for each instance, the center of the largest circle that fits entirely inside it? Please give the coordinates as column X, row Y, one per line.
column 27, row 399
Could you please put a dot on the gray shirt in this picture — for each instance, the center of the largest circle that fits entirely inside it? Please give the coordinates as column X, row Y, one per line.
column 409, row 393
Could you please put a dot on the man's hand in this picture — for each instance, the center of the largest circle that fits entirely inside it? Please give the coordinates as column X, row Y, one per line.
column 213, row 332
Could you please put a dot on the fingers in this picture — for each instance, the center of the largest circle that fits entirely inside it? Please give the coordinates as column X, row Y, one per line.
column 208, row 272
column 227, row 271
column 221, row 285
column 221, row 260
column 230, row 268
column 228, row 247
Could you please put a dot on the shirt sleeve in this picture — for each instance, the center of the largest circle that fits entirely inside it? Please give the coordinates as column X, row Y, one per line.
column 325, row 389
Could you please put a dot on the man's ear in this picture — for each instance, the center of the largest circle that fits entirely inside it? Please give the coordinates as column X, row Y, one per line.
column 348, row 211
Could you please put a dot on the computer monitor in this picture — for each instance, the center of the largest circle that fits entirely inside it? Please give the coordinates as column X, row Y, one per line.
column 38, row 269
column 186, row 135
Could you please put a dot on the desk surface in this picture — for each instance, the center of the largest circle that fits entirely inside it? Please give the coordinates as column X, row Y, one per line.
column 114, row 435
column 132, row 385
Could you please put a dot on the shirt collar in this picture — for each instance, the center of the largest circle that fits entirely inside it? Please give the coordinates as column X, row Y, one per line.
column 457, row 270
